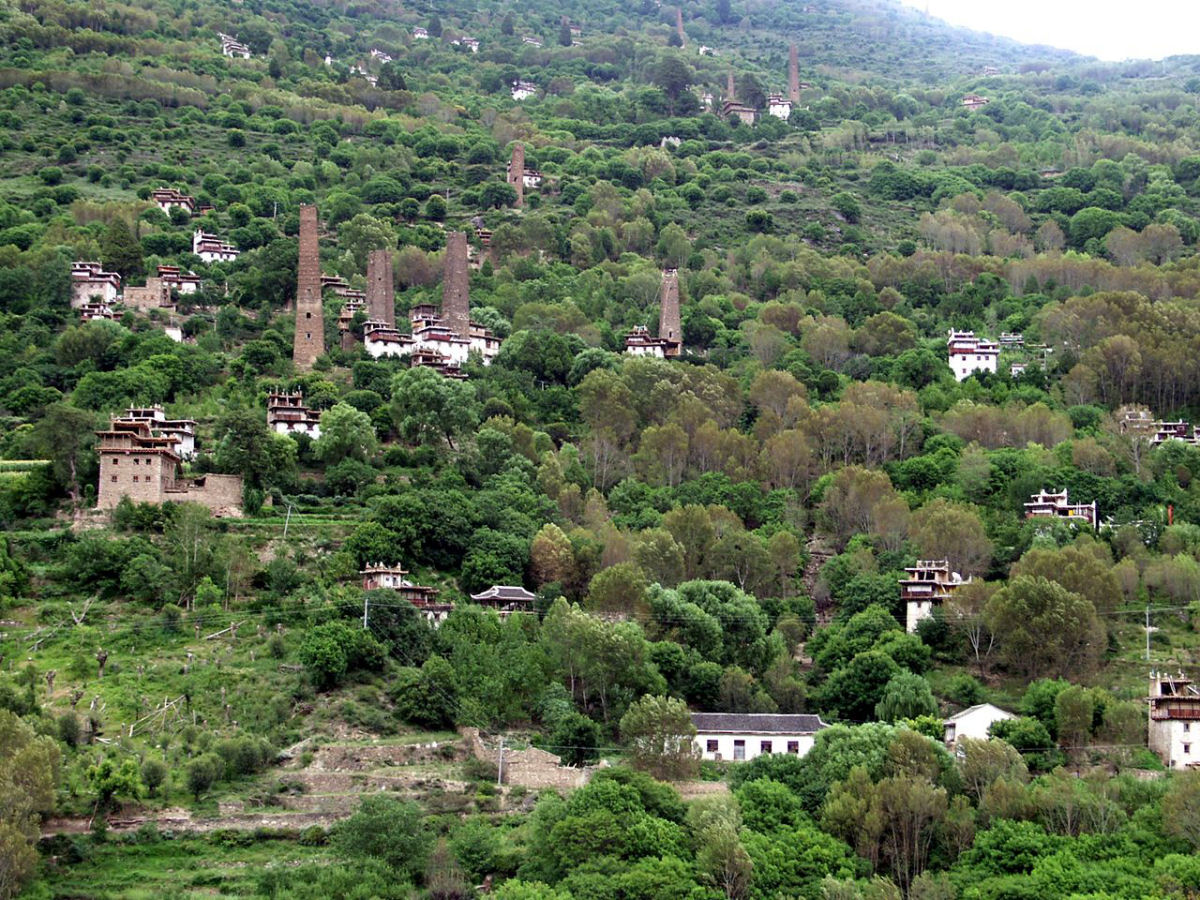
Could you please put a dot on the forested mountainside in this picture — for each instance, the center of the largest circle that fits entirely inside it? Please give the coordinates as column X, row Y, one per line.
column 397, row 547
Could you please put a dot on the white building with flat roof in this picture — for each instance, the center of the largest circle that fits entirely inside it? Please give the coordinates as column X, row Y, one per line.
column 968, row 354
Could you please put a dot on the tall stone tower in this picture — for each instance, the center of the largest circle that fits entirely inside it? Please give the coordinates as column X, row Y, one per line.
column 679, row 26
column 794, row 74
column 381, row 305
column 310, row 324
column 516, row 172
column 669, row 327
column 456, row 305
column 731, row 88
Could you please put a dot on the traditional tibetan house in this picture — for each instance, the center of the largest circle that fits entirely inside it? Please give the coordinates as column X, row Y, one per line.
column 1175, row 720
column 380, row 577
column 929, row 583
column 1045, row 504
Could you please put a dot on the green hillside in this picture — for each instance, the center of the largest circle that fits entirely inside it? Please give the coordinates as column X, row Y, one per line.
column 201, row 698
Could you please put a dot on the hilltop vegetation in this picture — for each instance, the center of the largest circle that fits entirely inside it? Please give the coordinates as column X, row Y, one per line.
column 722, row 532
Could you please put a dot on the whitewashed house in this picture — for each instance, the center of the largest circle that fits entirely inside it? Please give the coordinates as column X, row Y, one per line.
column 969, row 354
column 779, row 106
column 743, row 736
column 974, row 722
column 1175, row 721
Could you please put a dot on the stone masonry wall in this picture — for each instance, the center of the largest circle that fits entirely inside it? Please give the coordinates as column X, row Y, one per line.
column 531, row 768
column 456, row 311
column 310, row 326
column 154, row 295
column 222, row 494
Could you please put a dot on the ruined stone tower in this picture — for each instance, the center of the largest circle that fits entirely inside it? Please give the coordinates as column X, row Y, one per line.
column 310, row 325
column 381, row 305
column 516, row 172
column 679, row 26
column 669, row 327
column 456, row 312
column 794, row 74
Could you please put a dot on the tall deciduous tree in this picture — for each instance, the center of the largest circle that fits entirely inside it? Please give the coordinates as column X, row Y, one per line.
column 63, row 435
column 428, row 407
column 1044, row 629
column 944, row 530
column 28, row 769
column 346, row 433
column 660, row 733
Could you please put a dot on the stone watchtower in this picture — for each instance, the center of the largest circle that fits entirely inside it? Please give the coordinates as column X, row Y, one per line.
column 516, row 172
column 794, row 74
column 310, row 323
column 381, row 302
column 669, row 328
column 730, row 88
column 679, row 26
column 456, row 313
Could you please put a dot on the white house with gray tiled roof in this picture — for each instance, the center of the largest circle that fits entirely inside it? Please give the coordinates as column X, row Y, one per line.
column 743, row 736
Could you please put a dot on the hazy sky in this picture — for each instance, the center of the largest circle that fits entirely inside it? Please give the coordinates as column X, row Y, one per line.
column 1135, row 29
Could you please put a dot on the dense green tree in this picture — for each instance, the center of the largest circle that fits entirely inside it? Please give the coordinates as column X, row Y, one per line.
column 386, row 829
column 428, row 407
column 346, row 433
column 120, row 251
column 906, row 696
column 28, row 772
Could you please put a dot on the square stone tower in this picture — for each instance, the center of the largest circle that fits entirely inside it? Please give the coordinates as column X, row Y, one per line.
column 381, row 297
column 794, row 74
column 456, row 312
column 310, row 323
column 669, row 327
column 516, row 172
column 730, row 88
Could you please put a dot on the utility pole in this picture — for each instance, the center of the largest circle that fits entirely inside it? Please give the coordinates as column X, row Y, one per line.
column 1147, row 633
column 500, row 765
column 366, row 609
column 288, row 519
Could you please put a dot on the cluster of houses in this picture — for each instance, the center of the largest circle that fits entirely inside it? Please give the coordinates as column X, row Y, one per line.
column 778, row 105
column 443, row 338
column 1139, row 421
column 1174, row 709
column 740, row 737
column 967, row 353
column 506, row 599
column 95, row 292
